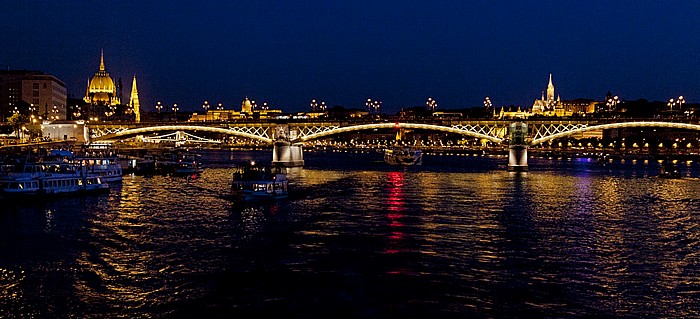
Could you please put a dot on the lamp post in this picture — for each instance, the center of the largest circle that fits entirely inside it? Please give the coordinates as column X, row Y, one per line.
column 220, row 106
column 159, row 106
column 487, row 103
column 680, row 102
column 431, row 104
column 314, row 105
column 55, row 113
column 670, row 104
column 205, row 106
column 322, row 107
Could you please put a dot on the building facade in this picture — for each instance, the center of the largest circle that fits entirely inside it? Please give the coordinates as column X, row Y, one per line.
column 32, row 93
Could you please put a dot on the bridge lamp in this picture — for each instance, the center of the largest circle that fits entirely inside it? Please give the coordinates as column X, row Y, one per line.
column 670, row 104
column 220, row 107
column 205, row 106
column 159, row 106
column 681, row 100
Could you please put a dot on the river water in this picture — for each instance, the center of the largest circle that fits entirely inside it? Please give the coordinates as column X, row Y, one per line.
column 459, row 237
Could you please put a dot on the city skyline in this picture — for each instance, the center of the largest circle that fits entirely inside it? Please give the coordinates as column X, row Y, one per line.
column 343, row 53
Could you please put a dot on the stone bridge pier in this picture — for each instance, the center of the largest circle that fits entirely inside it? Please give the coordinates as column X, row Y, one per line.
column 517, row 155
column 284, row 152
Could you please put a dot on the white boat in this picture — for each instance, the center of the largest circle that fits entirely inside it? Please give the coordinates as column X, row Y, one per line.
column 403, row 156
column 251, row 182
column 46, row 178
column 101, row 160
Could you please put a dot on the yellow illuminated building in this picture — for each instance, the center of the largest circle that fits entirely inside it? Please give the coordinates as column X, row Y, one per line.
column 247, row 112
column 134, row 105
column 101, row 89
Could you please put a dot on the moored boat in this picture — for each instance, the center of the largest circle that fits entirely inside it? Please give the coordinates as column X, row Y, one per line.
column 46, row 178
column 101, row 160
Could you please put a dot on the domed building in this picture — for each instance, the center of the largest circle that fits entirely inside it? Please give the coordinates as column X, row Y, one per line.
column 101, row 89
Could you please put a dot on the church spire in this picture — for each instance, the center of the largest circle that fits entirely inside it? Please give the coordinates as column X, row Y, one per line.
column 102, row 60
column 550, row 89
column 134, row 101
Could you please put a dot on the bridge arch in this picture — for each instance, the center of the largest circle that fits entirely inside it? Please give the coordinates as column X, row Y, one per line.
column 150, row 129
column 362, row 127
column 683, row 126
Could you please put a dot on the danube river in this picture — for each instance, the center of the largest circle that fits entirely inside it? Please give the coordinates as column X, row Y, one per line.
column 459, row 237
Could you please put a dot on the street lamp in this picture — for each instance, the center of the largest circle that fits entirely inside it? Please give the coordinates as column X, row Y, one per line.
column 670, row 104
column 175, row 108
column 265, row 107
column 205, row 106
column 220, row 107
column 55, row 113
column 681, row 100
column 159, row 106
column 431, row 104
column 314, row 105
column 487, row 103
column 368, row 104
column 322, row 107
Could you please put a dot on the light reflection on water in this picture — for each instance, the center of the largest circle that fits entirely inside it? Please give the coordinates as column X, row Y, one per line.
column 573, row 239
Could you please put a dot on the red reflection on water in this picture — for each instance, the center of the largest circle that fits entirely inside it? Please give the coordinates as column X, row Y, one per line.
column 395, row 202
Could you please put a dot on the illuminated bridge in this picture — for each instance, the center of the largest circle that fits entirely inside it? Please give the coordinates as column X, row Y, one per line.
column 288, row 137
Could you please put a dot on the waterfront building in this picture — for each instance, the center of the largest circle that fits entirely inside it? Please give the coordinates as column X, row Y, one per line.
column 247, row 112
column 512, row 112
column 101, row 89
column 134, row 105
column 32, row 93
column 549, row 106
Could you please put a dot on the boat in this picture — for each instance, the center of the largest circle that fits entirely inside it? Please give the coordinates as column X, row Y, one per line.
column 669, row 170
column 49, row 178
column 179, row 162
column 100, row 159
column 403, row 156
column 253, row 182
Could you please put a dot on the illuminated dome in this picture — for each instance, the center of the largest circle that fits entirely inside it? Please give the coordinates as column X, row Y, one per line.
column 101, row 89
column 246, row 106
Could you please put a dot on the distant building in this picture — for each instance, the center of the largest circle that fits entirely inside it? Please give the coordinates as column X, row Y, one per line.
column 134, row 105
column 32, row 93
column 512, row 113
column 247, row 112
column 549, row 106
column 101, row 89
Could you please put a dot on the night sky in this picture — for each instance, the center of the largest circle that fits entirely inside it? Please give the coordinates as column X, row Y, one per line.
column 342, row 52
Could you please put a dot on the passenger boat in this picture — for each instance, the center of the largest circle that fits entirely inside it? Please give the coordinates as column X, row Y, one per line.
column 403, row 156
column 49, row 178
column 252, row 182
column 179, row 163
column 101, row 160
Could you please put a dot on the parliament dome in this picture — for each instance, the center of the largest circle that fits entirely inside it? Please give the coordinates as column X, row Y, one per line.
column 101, row 89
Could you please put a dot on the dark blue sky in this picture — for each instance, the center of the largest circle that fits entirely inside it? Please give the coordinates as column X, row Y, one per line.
column 400, row 52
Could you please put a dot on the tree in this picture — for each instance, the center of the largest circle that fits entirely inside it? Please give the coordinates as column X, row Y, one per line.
column 17, row 121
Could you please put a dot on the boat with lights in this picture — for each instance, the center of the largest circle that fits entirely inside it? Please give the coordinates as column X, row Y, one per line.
column 403, row 156
column 255, row 182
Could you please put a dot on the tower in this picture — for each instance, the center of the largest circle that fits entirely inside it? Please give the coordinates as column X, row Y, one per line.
column 550, row 89
column 101, row 89
column 134, row 101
